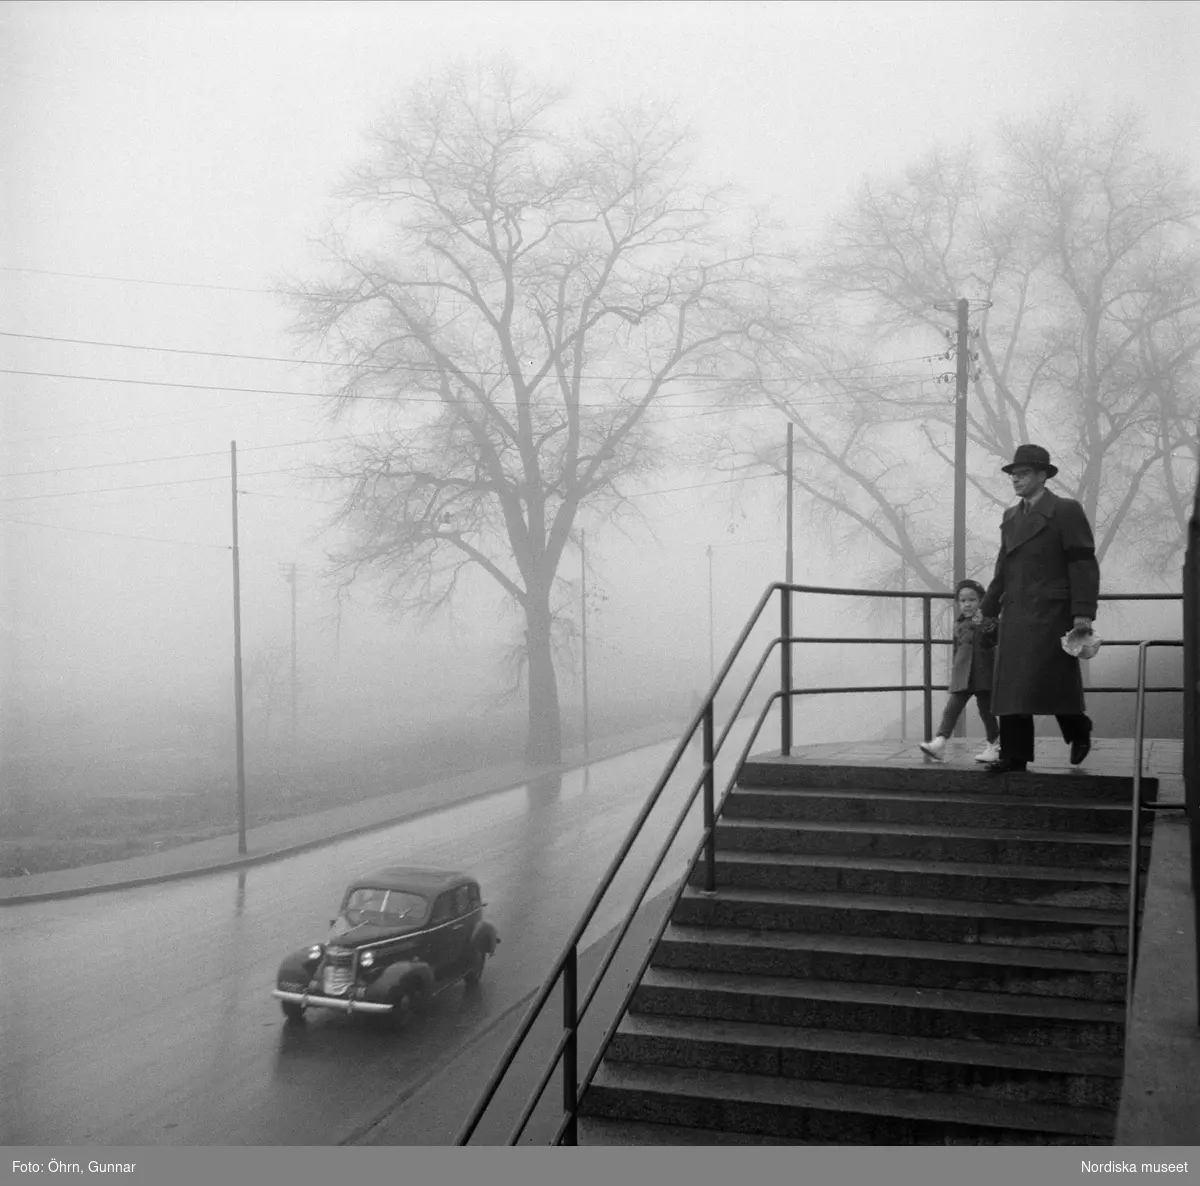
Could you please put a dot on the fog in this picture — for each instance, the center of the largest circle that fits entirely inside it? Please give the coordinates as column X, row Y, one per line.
column 167, row 165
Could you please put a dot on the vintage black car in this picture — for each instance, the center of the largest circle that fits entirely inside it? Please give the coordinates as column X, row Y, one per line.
column 403, row 935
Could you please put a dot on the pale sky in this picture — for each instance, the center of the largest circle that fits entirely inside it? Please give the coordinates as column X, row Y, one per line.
column 189, row 149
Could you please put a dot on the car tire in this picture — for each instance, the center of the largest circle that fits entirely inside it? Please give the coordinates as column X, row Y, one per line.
column 475, row 968
column 293, row 1011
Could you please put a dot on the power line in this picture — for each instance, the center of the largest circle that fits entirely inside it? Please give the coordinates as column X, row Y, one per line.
column 69, row 469
column 425, row 369
column 143, row 485
column 138, row 280
column 178, row 350
column 404, row 398
column 117, row 534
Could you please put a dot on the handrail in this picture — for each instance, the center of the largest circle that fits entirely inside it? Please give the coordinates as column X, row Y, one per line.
column 565, row 967
column 551, row 979
column 1135, row 826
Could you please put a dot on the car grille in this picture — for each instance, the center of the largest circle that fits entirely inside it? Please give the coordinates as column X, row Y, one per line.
column 339, row 972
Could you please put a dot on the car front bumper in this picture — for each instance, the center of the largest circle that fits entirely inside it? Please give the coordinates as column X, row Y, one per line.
column 318, row 1000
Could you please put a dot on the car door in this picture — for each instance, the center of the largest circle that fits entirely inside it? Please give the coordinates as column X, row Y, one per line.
column 460, row 929
column 440, row 939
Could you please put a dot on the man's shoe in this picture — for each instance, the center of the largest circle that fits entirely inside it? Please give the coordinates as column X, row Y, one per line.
column 1005, row 766
column 1080, row 748
column 989, row 753
column 935, row 749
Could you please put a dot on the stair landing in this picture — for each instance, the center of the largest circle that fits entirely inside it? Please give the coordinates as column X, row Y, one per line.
column 1162, row 757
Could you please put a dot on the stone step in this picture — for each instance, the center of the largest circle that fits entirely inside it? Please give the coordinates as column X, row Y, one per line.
column 1033, row 1074
column 1029, row 971
column 930, row 842
column 831, row 1114
column 595, row 1130
column 771, row 770
column 1097, row 889
column 882, row 1008
column 911, row 807
column 936, row 920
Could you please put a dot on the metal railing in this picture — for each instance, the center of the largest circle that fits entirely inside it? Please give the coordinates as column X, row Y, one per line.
column 1135, row 826
column 565, row 970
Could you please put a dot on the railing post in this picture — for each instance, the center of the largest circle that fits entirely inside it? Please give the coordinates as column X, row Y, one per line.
column 785, row 672
column 927, row 642
column 1135, row 838
column 570, row 1058
column 710, row 845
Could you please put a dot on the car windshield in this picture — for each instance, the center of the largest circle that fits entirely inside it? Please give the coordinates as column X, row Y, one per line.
column 384, row 907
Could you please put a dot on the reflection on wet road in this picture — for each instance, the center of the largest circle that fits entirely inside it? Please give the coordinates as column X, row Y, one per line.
column 143, row 1017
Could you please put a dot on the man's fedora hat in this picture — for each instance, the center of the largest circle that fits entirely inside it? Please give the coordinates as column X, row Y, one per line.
column 1033, row 456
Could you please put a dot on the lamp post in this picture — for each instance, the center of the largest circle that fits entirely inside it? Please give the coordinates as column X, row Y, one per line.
column 583, row 617
column 712, row 671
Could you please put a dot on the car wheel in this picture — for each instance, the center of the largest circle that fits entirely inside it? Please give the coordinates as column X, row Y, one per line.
column 475, row 968
column 292, row 1010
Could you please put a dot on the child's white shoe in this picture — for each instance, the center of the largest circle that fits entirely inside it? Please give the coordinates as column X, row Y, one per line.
column 989, row 753
column 935, row 749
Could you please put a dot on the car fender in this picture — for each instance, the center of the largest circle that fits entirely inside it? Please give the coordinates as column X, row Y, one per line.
column 391, row 976
column 485, row 936
column 296, row 970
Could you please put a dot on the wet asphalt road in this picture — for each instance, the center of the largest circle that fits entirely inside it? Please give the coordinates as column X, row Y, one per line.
column 143, row 1017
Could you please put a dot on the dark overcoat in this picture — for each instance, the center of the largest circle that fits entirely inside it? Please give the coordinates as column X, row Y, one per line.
column 1046, row 576
column 974, row 655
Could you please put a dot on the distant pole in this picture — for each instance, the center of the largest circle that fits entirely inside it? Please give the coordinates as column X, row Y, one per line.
column 903, row 636
column 237, row 659
column 960, row 446
column 790, row 472
column 292, row 581
column 583, row 582
column 712, row 671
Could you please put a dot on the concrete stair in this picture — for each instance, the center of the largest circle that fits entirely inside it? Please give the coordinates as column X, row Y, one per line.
column 892, row 955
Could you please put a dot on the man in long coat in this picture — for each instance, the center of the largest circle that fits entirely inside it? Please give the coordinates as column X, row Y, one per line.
column 1046, row 584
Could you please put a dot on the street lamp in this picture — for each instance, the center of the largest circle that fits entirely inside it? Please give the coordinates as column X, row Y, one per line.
column 583, row 587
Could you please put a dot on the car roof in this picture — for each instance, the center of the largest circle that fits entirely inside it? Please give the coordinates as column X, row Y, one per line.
column 413, row 878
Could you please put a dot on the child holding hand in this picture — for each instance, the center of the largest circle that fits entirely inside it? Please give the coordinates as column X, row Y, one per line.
column 970, row 675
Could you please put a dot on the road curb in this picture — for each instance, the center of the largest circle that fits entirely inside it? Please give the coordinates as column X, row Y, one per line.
column 251, row 860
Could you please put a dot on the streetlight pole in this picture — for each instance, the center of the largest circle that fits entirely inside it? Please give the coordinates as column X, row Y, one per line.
column 237, row 658
column 289, row 575
column 903, row 636
column 583, row 615
column 712, row 671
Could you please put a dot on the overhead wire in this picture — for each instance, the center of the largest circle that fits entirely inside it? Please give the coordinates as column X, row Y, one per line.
column 138, row 280
column 494, row 372
column 117, row 534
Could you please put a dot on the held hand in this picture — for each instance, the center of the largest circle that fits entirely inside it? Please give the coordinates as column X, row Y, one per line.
column 1082, row 626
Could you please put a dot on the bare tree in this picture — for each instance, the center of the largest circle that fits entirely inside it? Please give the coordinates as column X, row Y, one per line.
column 1084, row 242
column 514, row 299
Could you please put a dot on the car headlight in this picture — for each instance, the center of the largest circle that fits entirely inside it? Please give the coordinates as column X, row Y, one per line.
column 314, row 952
column 366, row 959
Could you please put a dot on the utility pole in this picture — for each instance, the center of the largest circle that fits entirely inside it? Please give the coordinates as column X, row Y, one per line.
column 237, row 659
column 712, row 671
column 790, row 472
column 962, row 308
column 289, row 575
column 583, row 587
column 903, row 632
column 960, row 446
